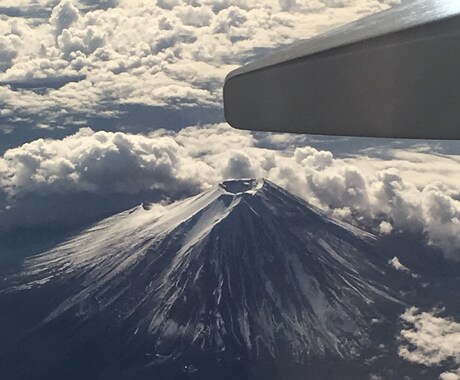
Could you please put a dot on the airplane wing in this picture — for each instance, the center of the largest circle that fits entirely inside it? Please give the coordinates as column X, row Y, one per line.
column 393, row 74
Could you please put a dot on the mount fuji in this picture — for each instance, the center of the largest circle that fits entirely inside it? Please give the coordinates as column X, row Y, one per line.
column 244, row 280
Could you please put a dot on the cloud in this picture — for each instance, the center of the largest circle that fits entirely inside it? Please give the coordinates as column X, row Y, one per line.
column 287, row 5
column 98, row 162
column 9, row 45
column 195, row 16
column 385, row 228
column 311, row 157
column 167, row 4
column 336, row 3
column 63, row 16
column 395, row 263
column 99, row 4
column 450, row 375
column 431, row 340
column 239, row 166
column 169, row 53
column 382, row 200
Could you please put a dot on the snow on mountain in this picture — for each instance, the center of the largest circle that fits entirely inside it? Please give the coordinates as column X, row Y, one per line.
column 245, row 266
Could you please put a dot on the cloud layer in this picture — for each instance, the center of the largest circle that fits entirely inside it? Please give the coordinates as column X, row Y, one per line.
column 431, row 340
column 377, row 196
column 172, row 53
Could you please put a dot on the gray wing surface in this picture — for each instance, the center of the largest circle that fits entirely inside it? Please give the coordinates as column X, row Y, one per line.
column 393, row 74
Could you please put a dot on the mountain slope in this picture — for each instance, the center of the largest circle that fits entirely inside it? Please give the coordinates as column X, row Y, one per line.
column 242, row 271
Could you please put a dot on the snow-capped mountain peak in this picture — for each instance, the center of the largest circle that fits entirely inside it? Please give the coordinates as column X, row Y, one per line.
column 249, row 186
column 244, row 266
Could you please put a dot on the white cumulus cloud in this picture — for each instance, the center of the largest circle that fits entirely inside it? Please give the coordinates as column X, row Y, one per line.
column 383, row 199
column 430, row 339
column 63, row 16
column 170, row 53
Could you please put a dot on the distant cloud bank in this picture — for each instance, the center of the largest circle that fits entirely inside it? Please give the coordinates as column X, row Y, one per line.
column 386, row 195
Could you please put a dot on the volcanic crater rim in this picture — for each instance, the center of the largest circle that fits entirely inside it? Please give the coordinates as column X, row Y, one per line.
column 241, row 186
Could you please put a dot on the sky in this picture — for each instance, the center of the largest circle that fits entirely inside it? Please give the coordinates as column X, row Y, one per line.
column 106, row 104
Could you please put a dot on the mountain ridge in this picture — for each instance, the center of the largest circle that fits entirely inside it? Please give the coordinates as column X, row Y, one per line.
column 243, row 270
